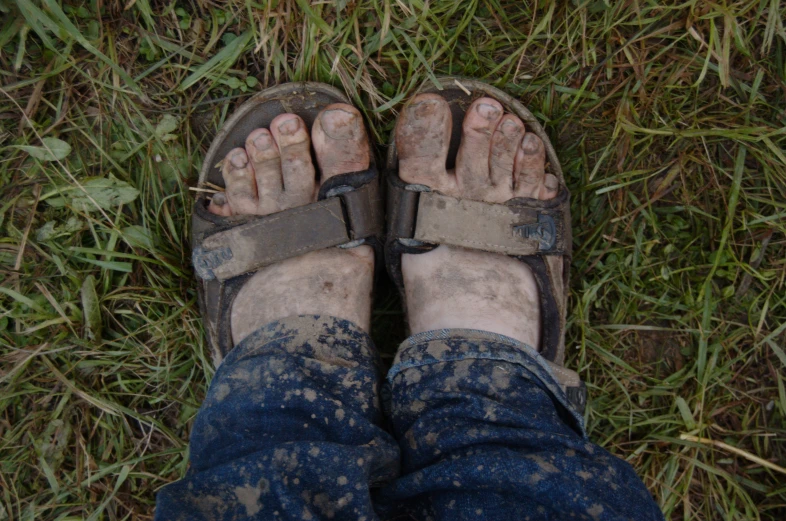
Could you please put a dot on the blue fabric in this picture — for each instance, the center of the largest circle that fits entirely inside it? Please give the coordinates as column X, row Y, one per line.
column 477, row 428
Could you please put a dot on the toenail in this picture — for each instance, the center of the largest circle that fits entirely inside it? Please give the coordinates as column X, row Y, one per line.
column 551, row 182
column 219, row 199
column 339, row 124
column 489, row 112
column 530, row 144
column 262, row 142
column 289, row 126
column 511, row 128
column 423, row 109
column 238, row 159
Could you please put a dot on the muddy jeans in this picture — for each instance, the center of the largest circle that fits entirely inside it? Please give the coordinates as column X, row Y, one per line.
column 301, row 423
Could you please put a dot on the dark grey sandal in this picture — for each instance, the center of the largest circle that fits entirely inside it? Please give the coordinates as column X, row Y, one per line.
column 229, row 250
column 533, row 231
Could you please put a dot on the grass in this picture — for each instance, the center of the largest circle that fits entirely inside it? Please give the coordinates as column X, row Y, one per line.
column 670, row 120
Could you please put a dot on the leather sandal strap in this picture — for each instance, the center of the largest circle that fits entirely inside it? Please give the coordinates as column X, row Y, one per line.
column 520, row 227
column 498, row 228
column 345, row 215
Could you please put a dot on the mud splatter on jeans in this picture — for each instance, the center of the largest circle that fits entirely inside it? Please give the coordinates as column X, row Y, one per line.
column 472, row 426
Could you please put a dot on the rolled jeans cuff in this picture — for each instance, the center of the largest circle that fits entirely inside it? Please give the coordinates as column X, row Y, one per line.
column 454, row 345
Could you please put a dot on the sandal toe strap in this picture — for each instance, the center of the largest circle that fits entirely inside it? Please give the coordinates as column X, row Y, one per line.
column 347, row 214
column 519, row 227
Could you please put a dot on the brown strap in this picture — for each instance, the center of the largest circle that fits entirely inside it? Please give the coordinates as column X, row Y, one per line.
column 265, row 240
column 499, row 228
column 364, row 210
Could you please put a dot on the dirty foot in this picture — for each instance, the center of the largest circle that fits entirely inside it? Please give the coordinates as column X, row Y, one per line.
column 274, row 172
column 451, row 287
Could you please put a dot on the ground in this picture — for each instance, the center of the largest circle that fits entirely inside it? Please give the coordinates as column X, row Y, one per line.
column 669, row 120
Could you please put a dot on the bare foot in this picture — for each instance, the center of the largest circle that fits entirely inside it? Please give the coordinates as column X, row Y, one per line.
column 274, row 172
column 498, row 160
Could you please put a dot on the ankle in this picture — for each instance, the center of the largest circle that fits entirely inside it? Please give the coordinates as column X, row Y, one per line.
column 451, row 288
column 333, row 282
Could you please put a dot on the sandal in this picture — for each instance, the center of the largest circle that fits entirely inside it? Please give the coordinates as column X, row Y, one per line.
column 536, row 232
column 227, row 251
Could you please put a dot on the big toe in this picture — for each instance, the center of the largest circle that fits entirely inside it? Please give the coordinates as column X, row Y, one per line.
column 340, row 141
column 422, row 142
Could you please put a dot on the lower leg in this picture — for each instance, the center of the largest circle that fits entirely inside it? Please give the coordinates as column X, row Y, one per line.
column 290, row 425
column 486, row 433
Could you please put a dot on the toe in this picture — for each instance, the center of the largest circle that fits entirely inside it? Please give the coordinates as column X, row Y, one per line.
column 473, row 159
column 294, row 146
column 241, row 187
column 340, row 141
column 422, row 142
column 530, row 167
column 550, row 187
column 504, row 145
column 219, row 206
column 262, row 150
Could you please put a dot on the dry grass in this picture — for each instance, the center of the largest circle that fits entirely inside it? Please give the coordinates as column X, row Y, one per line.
column 670, row 120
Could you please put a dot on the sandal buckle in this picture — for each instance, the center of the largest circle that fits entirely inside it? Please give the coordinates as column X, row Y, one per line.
column 577, row 396
column 205, row 260
column 544, row 231
column 360, row 205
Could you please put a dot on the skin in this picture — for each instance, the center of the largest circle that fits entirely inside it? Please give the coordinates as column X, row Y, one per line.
column 445, row 288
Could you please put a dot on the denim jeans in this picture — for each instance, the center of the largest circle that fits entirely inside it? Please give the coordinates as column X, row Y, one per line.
column 301, row 423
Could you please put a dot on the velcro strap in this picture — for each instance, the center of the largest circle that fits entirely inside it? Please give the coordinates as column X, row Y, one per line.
column 265, row 240
column 364, row 211
column 498, row 228
column 270, row 239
